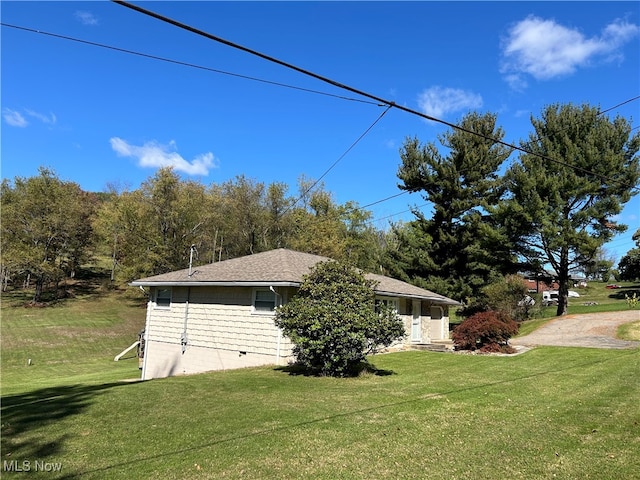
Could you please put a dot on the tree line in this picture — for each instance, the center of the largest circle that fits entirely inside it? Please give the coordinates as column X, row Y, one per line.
column 492, row 215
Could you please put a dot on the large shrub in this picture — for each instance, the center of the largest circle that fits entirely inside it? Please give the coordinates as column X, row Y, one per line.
column 333, row 321
column 485, row 331
column 509, row 295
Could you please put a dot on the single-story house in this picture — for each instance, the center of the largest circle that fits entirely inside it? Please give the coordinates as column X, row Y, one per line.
column 220, row 316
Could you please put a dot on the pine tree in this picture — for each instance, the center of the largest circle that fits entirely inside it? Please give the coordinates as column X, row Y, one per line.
column 456, row 251
column 564, row 194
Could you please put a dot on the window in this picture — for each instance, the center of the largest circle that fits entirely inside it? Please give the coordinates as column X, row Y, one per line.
column 388, row 302
column 264, row 301
column 163, row 297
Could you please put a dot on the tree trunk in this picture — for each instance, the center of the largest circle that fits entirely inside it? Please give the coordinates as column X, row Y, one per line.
column 563, row 282
column 37, row 296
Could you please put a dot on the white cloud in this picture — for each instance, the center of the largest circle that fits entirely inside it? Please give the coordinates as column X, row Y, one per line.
column 48, row 119
column 86, row 18
column 438, row 101
column 18, row 119
column 14, row 118
column 155, row 155
column 545, row 49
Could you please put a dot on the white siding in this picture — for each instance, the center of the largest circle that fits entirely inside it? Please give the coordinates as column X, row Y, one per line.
column 222, row 332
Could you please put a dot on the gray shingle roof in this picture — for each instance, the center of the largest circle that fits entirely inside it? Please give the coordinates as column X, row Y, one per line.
column 280, row 267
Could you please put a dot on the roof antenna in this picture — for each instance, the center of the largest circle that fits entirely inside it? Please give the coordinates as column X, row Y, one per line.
column 193, row 247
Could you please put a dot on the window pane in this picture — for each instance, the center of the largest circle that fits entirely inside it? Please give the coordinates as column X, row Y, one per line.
column 163, row 297
column 265, row 301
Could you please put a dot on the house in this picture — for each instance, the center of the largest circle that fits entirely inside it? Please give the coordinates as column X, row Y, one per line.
column 220, row 316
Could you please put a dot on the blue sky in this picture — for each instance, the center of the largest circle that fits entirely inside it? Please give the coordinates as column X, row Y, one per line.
column 99, row 116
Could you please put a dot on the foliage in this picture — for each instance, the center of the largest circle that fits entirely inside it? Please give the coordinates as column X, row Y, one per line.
column 154, row 229
column 599, row 267
column 46, row 233
column 629, row 265
column 509, row 295
column 485, row 331
column 333, row 322
column 632, row 300
column 582, row 167
column 580, row 404
column 459, row 249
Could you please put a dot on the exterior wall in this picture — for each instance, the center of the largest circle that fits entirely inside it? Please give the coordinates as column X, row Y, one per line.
column 434, row 322
column 222, row 332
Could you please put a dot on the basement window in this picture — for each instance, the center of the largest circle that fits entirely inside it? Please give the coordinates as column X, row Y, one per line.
column 163, row 297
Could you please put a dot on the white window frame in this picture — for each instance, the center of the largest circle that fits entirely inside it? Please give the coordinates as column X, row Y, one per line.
column 257, row 311
column 156, row 296
column 393, row 301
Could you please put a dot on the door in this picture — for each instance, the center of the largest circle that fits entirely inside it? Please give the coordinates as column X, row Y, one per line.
column 416, row 322
column 437, row 324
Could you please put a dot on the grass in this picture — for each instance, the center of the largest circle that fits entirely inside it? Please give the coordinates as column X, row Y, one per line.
column 551, row 412
column 72, row 341
column 606, row 300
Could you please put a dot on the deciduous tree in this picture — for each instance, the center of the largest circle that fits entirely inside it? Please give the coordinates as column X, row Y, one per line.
column 629, row 265
column 44, row 227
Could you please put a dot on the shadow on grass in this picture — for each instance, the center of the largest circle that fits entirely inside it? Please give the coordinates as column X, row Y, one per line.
column 361, row 369
column 623, row 292
column 25, row 412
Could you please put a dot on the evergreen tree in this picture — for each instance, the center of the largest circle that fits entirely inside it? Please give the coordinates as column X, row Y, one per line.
column 333, row 323
column 458, row 249
column 563, row 195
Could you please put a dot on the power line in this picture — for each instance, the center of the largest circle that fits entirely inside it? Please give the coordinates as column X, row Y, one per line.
column 343, row 86
column 619, row 105
column 382, row 200
column 338, row 160
column 378, row 101
column 186, row 64
column 399, row 213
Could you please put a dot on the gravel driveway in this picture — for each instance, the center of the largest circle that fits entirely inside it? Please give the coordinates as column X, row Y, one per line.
column 595, row 330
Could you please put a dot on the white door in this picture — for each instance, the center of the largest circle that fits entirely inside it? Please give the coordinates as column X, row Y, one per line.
column 416, row 322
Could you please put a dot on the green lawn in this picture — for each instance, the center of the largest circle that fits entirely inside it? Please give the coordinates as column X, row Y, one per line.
column 606, row 300
column 567, row 413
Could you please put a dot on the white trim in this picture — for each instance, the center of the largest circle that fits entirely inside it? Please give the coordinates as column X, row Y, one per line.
column 394, row 301
column 416, row 321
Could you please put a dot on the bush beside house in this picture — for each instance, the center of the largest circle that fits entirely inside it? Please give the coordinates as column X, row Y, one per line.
column 334, row 323
column 487, row 332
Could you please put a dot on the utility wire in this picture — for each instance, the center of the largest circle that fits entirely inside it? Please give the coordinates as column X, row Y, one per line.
column 341, row 85
column 337, row 161
column 381, row 200
column 379, row 101
column 619, row 105
column 186, row 64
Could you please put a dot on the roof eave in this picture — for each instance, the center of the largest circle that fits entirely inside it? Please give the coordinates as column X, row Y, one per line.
column 189, row 283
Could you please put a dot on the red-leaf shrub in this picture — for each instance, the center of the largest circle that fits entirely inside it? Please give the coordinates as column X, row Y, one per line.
column 485, row 331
